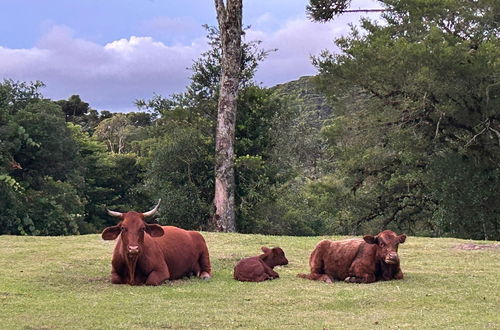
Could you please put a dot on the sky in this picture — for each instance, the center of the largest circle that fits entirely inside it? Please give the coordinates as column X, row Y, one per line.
column 112, row 52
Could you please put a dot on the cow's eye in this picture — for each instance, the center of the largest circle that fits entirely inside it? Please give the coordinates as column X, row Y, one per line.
column 142, row 229
column 124, row 229
column 382, row 245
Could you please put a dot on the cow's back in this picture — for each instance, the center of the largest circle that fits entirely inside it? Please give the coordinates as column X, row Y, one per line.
column 335, row 257
column 182, row 250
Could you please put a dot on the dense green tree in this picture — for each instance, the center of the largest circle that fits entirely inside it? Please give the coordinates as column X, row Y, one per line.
column 181, row 174
column 140, row 119
column 114, row 132
column 13, row 97
column 258, row 163
column 73, row 107
column 49, row 171
column 54, row 153
column 40, row 173
column 109, row 181
column 416, row 137
column 55, row 179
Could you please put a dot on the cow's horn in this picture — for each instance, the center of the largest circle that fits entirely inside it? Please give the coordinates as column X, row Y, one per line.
column 153, row 211
column 114, row 213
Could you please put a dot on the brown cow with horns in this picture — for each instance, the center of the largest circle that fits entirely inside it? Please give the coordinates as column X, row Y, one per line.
column 366, row 260
column 151, row 254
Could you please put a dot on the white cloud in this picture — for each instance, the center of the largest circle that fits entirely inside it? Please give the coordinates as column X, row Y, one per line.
column 108, row 77
column 297, row 40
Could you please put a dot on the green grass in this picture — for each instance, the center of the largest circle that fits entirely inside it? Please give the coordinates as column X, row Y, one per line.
column 62, row 282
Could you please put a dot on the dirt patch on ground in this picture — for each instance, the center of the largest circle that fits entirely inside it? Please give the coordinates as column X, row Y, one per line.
column 471, row 246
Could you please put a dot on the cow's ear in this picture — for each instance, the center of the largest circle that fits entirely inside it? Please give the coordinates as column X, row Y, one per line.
column 154, row 230
column 111, row 233
column 265, row 249
column 370, row 239
column 402, row 238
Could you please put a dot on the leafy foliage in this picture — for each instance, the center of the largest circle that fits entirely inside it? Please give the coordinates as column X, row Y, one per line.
column 412, row 145
column 39, row 169
column 325, row 10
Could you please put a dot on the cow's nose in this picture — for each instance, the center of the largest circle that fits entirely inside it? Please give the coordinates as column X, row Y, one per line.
column 133, row 249
column 392, row 258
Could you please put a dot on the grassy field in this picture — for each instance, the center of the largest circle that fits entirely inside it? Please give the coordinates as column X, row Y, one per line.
column 62, row 283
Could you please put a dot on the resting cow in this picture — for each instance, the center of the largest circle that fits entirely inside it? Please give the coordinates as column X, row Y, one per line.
column 366, row 260
column 151, row 254
column 260, row 268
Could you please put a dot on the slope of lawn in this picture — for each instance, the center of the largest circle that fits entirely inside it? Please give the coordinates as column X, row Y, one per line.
column 63, row 282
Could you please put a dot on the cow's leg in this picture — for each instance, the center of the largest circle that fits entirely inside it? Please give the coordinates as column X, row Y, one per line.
column 263, row 277
column 195, row 271
column 253, row 277
column 317, row 264
column 117, row 279
column 361, row 271
column 365, row 278
column 398, row 275
column 273, row 274
column 157, row 277
column 270, row 272
column 321, row 277
column 316, row 277
column 204, row 264
column 119, row 273
column 318, row 271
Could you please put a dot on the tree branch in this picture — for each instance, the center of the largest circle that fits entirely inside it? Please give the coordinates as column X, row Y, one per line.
column 497, row 133
column 365, row 10
column 221, row 11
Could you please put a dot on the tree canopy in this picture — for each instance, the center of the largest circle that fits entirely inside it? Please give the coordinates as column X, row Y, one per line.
column 416, row 142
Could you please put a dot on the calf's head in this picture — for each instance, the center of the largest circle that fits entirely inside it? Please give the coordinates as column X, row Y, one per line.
column 274, row 257
column 132, row 229
column 387, row 245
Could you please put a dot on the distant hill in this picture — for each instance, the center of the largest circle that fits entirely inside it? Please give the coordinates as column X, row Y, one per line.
column 309, row 108
column 304, row 94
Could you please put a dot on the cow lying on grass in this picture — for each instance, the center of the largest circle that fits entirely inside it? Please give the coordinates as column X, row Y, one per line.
column 151, row 254
column 260, row 268
column 366, row 260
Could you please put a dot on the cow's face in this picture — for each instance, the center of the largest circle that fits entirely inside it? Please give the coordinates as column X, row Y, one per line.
column 274, row 257
column 132, row 229
column 387, row 245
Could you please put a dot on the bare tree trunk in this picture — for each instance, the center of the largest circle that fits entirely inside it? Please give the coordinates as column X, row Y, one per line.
column 229, row 17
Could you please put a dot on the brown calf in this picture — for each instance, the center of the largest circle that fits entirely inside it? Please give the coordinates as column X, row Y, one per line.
column 366, row 260
column 260, row 268
column 151, row 254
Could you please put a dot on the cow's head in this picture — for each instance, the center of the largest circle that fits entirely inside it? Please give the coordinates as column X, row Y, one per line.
column 387, row 245
column 274, row 257
column 132, row 229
